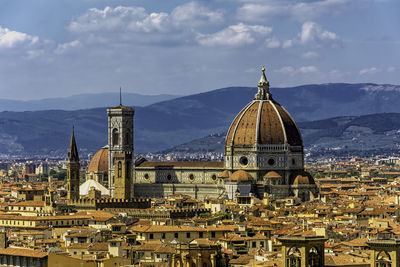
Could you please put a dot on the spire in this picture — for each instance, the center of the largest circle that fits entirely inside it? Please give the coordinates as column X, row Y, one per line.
column 73, row 151
column 120, row 96
column 263, row 88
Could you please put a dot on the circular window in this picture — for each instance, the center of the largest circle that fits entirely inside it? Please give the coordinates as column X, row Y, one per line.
column 214, row 177
column 244, row 161
column 271, row 162
column 146, row 176
column 191, row 177
column 169, row 177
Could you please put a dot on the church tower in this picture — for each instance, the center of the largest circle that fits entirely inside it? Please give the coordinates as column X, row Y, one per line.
column 120, row 143
column 73, row 167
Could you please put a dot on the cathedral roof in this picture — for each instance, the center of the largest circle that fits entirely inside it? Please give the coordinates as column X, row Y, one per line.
column 263, row 122
column 99, row 162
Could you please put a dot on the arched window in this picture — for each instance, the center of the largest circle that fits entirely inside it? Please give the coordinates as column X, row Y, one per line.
column 115, row 137
column 314, row 258
column 293, row 257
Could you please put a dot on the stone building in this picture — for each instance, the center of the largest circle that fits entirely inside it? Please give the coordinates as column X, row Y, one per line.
column 263, row 156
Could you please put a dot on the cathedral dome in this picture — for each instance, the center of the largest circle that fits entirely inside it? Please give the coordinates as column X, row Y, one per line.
column 99, row 162
column 263, row 122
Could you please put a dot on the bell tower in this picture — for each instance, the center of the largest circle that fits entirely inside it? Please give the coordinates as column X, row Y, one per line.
column 120, row 141
column 73, row 167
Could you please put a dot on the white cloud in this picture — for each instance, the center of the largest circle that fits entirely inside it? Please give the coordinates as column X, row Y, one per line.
column 307, row 69
column 136, row 19
column 287, row 44
column 312, row 32
column 131, row 24
column 310, row 54
column 195, row 14
column 301, row 11
column 390, row 69
column 235, row 35
column 286, row 70
column 371, row 70
column 273, row 42
column 108, row 19
column 11, row 39
column 293, row 71
column 62, row 48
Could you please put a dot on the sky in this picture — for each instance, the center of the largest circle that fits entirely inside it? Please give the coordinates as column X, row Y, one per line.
column 60, row 48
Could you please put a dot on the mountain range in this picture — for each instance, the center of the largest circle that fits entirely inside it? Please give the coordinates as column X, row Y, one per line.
column 168, row 123
column 82, row 101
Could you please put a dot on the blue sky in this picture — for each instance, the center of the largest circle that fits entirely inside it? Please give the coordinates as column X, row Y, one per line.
column 59, row 48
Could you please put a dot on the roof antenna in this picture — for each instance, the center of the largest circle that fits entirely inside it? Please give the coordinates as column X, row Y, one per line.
column 120, row 96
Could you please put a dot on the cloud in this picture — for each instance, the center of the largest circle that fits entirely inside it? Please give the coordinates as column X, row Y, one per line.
column 300, row 11
column 307, row 69
column 310, row 54
column 273, row 42
column 286, row 70
column 62, row 48
column 136, row 19
column 371, row 70
column 131, row 24
column 312, row 32
column 195, row 14
column 235, row 35
column 288, row 43
column 390, row 69
column 11, row 39
column 301, row 70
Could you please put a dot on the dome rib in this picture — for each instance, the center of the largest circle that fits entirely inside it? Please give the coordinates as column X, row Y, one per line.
column 280, row 119
column 258, row 122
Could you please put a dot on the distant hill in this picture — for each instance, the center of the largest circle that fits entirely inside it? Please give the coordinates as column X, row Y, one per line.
column 82, row 101
column 172, row 122
column 358, row 134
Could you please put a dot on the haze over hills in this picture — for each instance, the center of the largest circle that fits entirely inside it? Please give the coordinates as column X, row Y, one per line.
column 172, row 122
column 82, row 101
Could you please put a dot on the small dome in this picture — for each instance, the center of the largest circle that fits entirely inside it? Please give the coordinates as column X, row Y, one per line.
column 99, row 162
column 224, row 174
column 303, row 179
column 240, row 176
column 272, row 174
